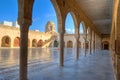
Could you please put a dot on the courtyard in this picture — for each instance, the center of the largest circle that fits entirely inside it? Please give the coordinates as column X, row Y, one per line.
column 43, row 64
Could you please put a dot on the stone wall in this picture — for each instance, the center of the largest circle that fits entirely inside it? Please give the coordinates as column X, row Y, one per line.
column 13, row 33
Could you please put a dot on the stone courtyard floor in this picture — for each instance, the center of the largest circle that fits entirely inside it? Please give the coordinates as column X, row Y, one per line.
column 43, row 65
column 92, row 67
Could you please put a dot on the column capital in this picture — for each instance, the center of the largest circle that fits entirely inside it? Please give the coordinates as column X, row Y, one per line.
column 23, row 21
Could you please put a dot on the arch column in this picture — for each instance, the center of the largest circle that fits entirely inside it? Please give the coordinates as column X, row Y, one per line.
column 85, row 41
column 90, row 42
column 93, row 41
column 85, row 46
column 61, row 55
column 24, row 28
column 24, row 20
column 77, row 36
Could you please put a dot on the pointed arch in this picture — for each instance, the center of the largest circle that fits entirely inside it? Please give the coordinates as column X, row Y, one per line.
column 76, row 28
column 82, row 28
column 69, row 24
column 58, row 14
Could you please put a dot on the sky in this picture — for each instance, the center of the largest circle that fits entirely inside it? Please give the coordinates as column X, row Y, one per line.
column 43, row 11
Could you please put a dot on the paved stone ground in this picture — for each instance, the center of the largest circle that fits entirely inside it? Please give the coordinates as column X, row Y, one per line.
column 97, row 66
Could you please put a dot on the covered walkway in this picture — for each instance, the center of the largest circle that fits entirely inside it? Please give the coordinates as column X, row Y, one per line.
column 97, row 66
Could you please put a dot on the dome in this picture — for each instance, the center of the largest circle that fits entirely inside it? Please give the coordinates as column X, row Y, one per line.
column 50, row 26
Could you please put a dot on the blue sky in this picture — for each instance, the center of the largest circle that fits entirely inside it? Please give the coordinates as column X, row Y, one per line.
column 43, row 11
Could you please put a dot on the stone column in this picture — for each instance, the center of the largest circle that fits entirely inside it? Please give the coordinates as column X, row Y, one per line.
column 24, row 20
column 61, row 55
column 85, row 41
column 24, row 28
column 90, row 50
column 96, row 43
column 93, row 42
column 90, row 42
column 77, row 46
column 85, row 46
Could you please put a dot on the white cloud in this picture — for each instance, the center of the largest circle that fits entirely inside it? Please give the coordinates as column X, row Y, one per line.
column 70, row 31
column 36, row 19
column 50, row 15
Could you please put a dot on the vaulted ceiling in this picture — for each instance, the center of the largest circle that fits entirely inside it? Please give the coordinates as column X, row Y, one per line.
column 100, row 12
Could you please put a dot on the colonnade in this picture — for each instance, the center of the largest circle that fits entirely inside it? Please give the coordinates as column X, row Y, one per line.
column 61, row 6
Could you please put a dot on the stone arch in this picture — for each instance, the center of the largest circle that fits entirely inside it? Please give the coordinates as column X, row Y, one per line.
column 74, row 19
column 6, row 41
column 58, row 14
column 105, row 45
column 34, row 43
column 69, row 20
column 76, row 28
column 40, row 43
column 82, row 24
column 69, row 44
column 17, row 42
